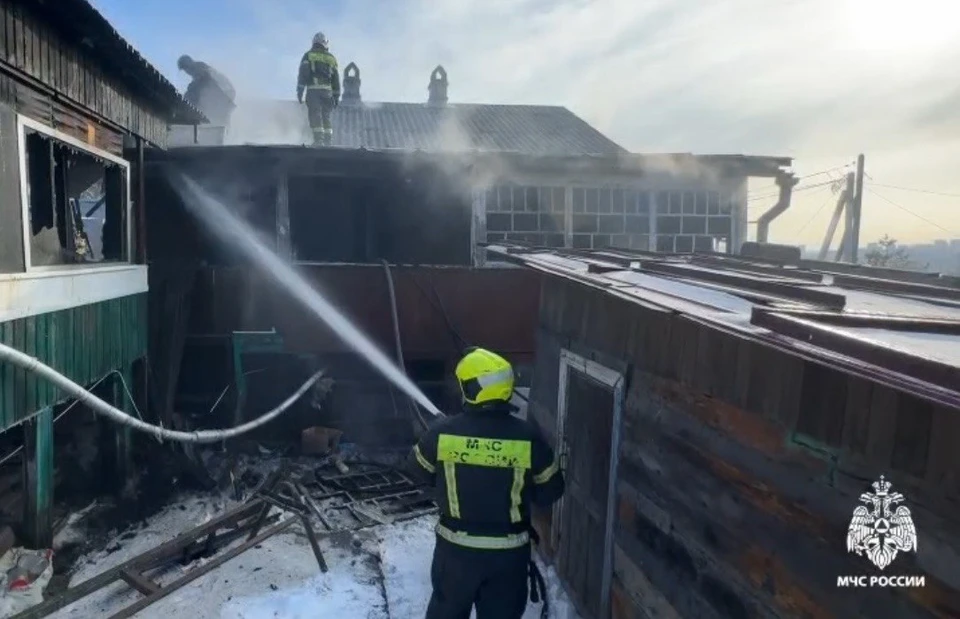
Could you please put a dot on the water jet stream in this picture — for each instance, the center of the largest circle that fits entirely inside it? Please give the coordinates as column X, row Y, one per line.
column 237, row 233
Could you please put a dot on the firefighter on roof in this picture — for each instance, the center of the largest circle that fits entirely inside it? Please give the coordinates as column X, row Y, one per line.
column 209, row 91
column 488, row 466
column 320, row 78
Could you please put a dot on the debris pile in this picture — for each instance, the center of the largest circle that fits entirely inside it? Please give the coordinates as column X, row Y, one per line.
column 294, row 492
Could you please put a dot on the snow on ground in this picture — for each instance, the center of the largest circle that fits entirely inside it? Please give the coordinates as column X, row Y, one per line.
column 72, row 531
column 407, row 550
column 377, row 573
column 164, row 526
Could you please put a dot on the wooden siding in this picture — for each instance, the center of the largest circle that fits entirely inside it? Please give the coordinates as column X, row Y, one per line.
column 740, row 467
column 83, row 343
column 56, row 83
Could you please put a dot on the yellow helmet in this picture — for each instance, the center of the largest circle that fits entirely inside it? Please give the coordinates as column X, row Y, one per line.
column 485, row 377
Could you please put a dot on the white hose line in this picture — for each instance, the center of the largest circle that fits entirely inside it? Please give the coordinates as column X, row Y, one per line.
column 30, row 364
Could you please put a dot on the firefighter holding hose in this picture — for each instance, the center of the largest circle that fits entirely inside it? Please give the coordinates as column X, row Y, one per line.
column 488, row 467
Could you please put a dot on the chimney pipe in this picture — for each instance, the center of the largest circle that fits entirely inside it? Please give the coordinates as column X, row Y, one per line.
column 786, row 181
column 351, row 85
column 438, row 86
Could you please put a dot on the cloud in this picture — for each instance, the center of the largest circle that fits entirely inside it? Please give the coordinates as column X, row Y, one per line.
column 820, row 80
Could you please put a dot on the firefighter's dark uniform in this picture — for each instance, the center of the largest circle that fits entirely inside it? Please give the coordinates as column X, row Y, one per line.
column 320, row 78
column 488, row 467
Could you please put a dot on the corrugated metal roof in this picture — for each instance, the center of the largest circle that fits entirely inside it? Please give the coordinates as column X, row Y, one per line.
column 80, row 23
column 457, row 127
column 910, row 343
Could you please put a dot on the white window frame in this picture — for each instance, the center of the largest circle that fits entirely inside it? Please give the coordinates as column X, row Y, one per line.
column 23, row 125
column 616, row 382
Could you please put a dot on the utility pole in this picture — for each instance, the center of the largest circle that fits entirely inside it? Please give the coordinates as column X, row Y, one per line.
column 857, row 207
column 849, row 224
column 843, row 203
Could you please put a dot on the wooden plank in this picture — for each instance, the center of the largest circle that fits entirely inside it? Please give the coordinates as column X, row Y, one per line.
column 856, row 425
column 883, row 419
column 75, row 343
column 45, row 348
column 727, row 504
column 687, row 353
column 17, row 38
column 196, row 573
column 44, row 73
column 822, row 404
column 32, row 382
column 943, row 471
column 139, row 582
column 38, row 480
column 20, row 376
column 911, row 442
column 28, row 65
column 4, row 32
column 7, row 379
column 639, row 588
column 158, row 556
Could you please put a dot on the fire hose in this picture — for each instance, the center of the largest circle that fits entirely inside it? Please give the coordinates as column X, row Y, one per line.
column 31, row 364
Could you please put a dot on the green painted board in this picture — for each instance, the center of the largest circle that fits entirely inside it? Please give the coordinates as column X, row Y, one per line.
column 83, row 343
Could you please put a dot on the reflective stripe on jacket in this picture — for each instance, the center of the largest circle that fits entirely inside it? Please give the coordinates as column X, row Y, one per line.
column 488, row 467
column 318, row 70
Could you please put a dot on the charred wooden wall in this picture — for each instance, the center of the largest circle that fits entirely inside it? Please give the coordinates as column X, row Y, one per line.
column 60, row 85
column 740, row 466
column 329, row 212
column 437, row 308
column 487, row 307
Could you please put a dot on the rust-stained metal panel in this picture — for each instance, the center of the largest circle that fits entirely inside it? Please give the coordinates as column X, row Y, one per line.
column 496, row 308
column 83, row 343
column 741, row 464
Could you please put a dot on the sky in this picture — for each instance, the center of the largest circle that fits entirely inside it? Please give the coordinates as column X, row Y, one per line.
column 817, row 80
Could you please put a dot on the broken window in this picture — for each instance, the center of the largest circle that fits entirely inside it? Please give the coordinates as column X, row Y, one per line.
column 77, row 205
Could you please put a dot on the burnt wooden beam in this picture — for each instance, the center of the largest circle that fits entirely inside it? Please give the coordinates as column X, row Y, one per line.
column 138, row 581
column 197, row 572
column 154, row 558
column 909, row 364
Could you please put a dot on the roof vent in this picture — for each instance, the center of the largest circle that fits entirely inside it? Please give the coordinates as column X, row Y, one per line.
column 438, row 86
column 351, row 84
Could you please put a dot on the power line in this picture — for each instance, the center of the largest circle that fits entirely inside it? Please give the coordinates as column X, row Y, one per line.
column 817, row 212
column 806, row 176
column 829, row 170
column 915, row 190
column 795, row 190
column 906, row 210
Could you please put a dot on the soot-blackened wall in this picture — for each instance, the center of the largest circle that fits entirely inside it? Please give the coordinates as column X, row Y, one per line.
column 739, row 469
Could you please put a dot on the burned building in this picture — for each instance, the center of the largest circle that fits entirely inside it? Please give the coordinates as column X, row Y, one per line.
column 721, row 419
column 77, row 107
column 418, row 187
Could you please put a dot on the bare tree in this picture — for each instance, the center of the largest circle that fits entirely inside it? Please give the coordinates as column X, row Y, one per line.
column 887, row 253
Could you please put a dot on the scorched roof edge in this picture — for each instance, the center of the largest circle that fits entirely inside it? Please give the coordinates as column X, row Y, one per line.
column 623, row 163
column 783, row 324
